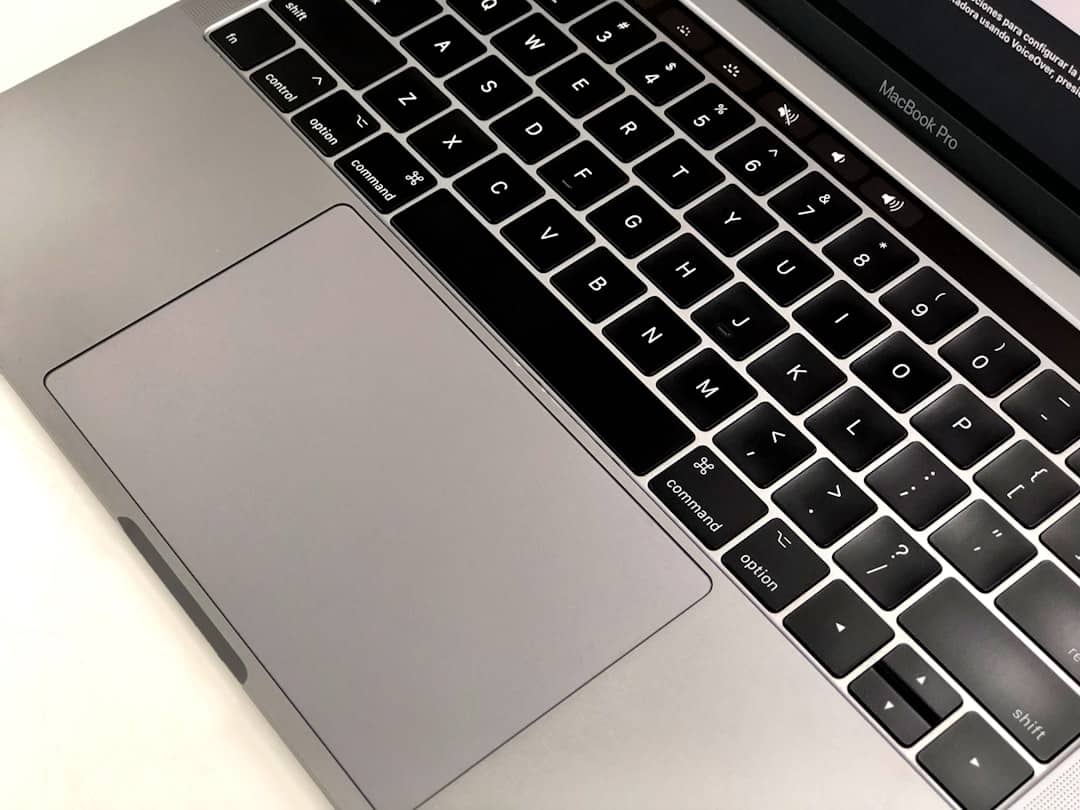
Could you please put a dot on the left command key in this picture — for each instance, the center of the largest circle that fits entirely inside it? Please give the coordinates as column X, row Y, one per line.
column 252, row 39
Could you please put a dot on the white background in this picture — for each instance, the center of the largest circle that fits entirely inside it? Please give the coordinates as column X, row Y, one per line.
column 109, row 698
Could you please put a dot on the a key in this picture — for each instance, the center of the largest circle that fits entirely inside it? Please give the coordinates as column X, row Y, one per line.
column 385, row 173
column 499, row 188
column 889, row 708
column 487, row 16
column 1063, row 538
column 398, row 16
column 633, row 221
column 407, row 99
column 730, row 220
column 534, row 130
column 814, row 207
column 252, row 39
column 1045, row 604
column 839, row 158
column 452, row 143
column 651, row 336
column 739, row 321
column 579, row 85
column 764, row 445
column 761, row 160
column 292, row 81
column 929, row 305
column 336, row 123
column 1026, row 484
column 1048, row 407
column 628, row 129
column 988, row 356
column 900, row 372
column 838, row 628
column 443, row 45
column 775, row 565
column 566, row 10
column 598, row 284
column 919, row 683
column 533, row 44
column 841, row 319
column 787, row 115
column 973, row 645
column 785, row 269
column 962, row 426
column 685, row 270
column 710, row 116
column 856, row 429
column 708, row 498
column 824, row 502
column 797, row 374
column 678, row 173
column 982, row 545
column 887, row 563
column 917, row 485
column 707, row 389
column 548, row 235
column 583, row 175
column 870, row 255
column 660, row 73
column 488, row 87
column 612, row 32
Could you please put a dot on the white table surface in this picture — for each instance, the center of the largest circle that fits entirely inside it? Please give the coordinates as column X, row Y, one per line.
column 109, row 697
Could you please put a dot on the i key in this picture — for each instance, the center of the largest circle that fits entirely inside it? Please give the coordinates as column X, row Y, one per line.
column 764, row 445
column 633, row 222
column 917, row 486
column 841, row 319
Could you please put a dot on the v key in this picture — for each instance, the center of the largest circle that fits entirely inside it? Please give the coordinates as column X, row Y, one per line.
column 548, row 235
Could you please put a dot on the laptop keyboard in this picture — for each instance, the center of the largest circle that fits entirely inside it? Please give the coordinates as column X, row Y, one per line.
column 730, row 297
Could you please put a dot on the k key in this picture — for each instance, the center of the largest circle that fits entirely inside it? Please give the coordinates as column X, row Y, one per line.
column 838, row 628
column 796, row 373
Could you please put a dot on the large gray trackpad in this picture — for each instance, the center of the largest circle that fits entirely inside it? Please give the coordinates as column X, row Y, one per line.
column 421, row 556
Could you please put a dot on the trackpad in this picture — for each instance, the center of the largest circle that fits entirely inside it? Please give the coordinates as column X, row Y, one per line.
column 421, row 556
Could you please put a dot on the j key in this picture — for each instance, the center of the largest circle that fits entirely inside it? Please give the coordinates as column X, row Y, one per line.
column 1045, row 604
column 534, row 130
column 386, row 173
column 608, row 397
column 974, row 765
column 824, row 502
column 407, row 99
column 785, row 269
column 796, row 373
column 962, row 426
column 685, row 270
column 678, row 173
column 398, row 16
column 1026, row 484
column 730, row 220
column 583, row 175
column 887, row 563
column 651, row 336
column 628, row 129
column 764, row 445
column 928, row 305
column 337, row 32
column 841, row 319
column 499, row 188
column 917, row 485
column 452, row 143
column 548, row 235
column 900, row 372
column 659, row 73
column 579, row 85
column 761, row 160
column 1048, row 407
column 814, row 207
column 870, row 255
column 252, row 39
column 1063, row 538
column 443, row 46
column 787, row 115
column 739, row 321
column 336, row 123
column 598, row 284
column 707, row 389
column 775, row 565
column 612, row 32
column 927, row 691
column 566, row 10
column 1001, row 673
column 533, row 44
column 486, row 16
column 838, row 628
column 982, row 545
column 856, row 429
column 633, row 222
column 710, row 116
column 988, row 356
column 889, row 708
column 292, row 81
column 723, row 506
column 488, row 87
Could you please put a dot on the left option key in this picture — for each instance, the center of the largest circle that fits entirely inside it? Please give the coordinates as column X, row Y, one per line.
column 293, row 80
column 252, row 39
column 335, row 123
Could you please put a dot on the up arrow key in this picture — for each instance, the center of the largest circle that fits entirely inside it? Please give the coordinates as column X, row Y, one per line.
column 889, row 705
column 974, row 762
column 840, row 628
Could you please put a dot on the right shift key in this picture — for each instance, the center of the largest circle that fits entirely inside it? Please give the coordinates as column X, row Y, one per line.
column 1018, row 689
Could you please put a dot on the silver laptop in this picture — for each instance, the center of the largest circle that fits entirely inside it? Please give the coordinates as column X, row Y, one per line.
column 584, row 404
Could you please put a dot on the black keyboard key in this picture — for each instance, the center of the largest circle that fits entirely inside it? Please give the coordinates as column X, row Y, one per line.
column 292, row 81
column 707, row 389
column 841, row 319
column 452, row 143
column 889, row 708
column 659, row 73
column 628, row 129
column 973, row 645
column 838, row 628
column 685, row 270
column 710, row 116
column 824, row 502
column 1045, row 604
column 579, row 85
column 919, row 683
column 814, row 207
column 486, row 16
column 928, row 305
column 730, row 220
column 407, row 99
column 982, row 545
column 533, row 44
column 887, row 563
column 917, row 485
column 548, row 235
column 1026, row 484
column 336, row 123
column 962, row 426
column 988, row 356
column 607, row 396
column 443, row 46
column 1048, row 408
column 612, row 32
column 398, row 16
column 775, row 565
column 797, row 374
column 1063, row 538
column 598, row 284
column 651, row 336
column 566, row 10
column 761, row 160
column 900, row 372
column 252, row 39
column 870, row 255
column 764, row 445
column 739, row 321
column 385, row 173
column 499, row 188
column 633, row 222
column 856, row 429
column 678, row 173
column 583, row 175
column 708, row 498
column 1073, row 462
column 534, row 130
column 337, row 32
column 488, row 87
column 785, row 269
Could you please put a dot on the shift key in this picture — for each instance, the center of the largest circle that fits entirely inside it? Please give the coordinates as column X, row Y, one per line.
column 1018, row 689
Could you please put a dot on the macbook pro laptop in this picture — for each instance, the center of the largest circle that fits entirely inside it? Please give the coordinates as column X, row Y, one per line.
column 585, row 403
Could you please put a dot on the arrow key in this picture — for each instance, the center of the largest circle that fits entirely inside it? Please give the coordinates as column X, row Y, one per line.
column 885, row 705
column 838, row 628
column 921, row 686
